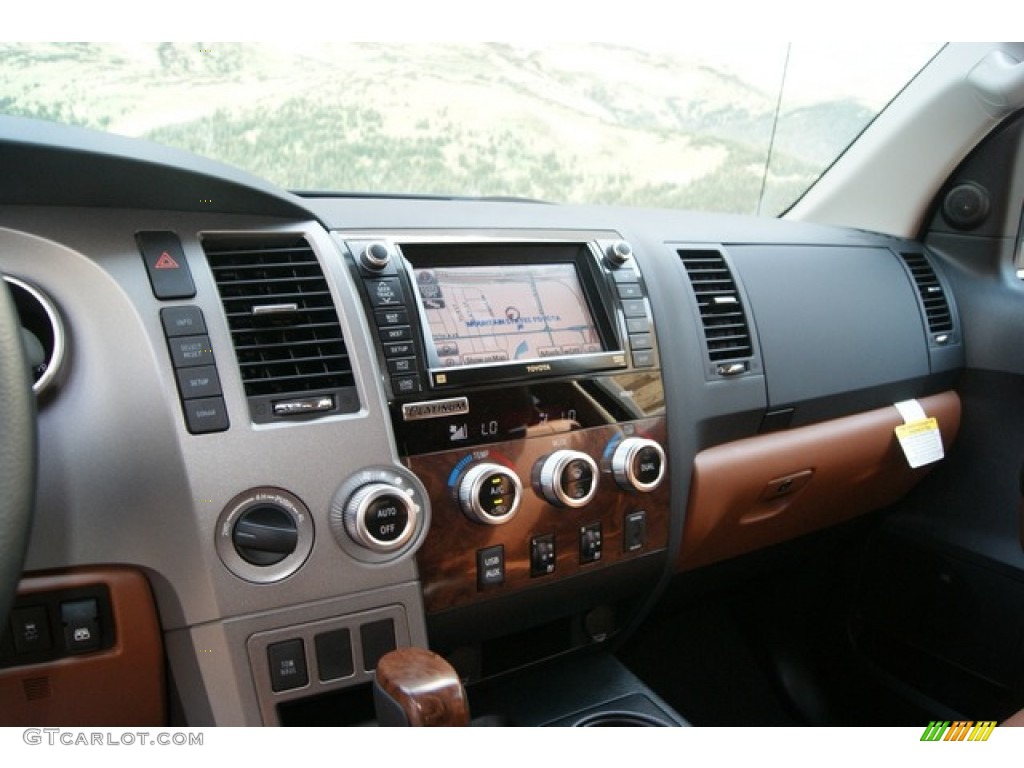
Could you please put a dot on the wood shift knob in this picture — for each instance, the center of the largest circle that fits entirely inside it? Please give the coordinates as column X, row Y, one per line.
column 414, row 686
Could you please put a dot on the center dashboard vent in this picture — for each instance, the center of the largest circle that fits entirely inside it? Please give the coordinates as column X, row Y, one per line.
column 291, row 354
column 933, row 297
column 726, row 333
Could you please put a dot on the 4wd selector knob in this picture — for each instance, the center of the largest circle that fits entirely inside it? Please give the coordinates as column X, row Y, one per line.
column 490, row 493
column 638, row 464
column 567, row 478
column 380, row 517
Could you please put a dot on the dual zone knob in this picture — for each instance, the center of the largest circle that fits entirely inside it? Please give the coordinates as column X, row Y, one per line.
column 490, row 493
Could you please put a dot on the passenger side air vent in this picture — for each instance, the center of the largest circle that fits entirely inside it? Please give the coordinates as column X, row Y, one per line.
column 933, row 297
column 288, row 341
column 724, row 321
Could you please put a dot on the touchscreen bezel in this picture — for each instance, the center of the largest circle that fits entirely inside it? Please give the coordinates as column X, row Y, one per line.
column 437, row 255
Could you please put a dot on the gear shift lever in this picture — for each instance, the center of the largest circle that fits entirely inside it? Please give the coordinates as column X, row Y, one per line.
column 414, row 686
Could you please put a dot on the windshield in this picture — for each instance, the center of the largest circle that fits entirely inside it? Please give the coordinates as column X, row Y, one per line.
column 693, row 127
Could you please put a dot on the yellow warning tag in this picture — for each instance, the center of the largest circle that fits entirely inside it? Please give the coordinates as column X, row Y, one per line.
column 921, row 441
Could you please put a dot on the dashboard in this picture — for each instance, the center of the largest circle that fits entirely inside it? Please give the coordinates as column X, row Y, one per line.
column 280, row 436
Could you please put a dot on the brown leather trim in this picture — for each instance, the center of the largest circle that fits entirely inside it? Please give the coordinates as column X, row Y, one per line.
column 123, row 686
column 764, row 490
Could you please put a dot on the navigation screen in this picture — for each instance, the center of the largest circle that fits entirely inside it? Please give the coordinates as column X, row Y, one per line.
column 506, row 313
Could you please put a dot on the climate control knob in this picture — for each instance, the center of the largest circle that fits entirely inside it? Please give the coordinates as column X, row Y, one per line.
column 567, row 478
column 380, row 517
column 638, row 464
column 490, row 493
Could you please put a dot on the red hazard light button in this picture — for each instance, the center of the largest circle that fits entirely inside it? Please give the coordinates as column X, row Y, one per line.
column 166, row 265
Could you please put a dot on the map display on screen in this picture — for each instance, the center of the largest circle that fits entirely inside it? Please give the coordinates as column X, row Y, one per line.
column 506, row 313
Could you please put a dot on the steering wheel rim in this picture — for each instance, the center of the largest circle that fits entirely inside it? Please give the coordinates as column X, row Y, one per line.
column 17, row 452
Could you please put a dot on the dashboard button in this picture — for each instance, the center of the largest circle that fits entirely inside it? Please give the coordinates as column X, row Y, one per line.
column 378, row 638
column 591, row 544
column 287, row 665
column 402, row 365
column 643, row 358
column 189, row 351
column 166, row 266
column 201, row 381
column 641, row 341
column 626, row 275
column 386, row 292
column 634, row 308
column 182, row 321
column 490, row 566
column 638, row 325
column 334, row 655
column 629, row 291
column 386, row 317
column 30, row 629
column 542, row 555
column 634, row 532
column 205, row 414
column 81, row 619
column 406, row 385
column 395, row 333
column 400, row 349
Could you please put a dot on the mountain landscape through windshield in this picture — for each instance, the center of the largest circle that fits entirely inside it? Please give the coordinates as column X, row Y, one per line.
column 576, row 123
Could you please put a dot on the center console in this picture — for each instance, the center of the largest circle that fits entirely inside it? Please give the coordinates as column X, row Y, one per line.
column 525, row 393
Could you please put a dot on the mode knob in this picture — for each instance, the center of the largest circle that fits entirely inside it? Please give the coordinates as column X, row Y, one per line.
column 567, row 478
column 380, row 517
column 375, row 256
column 638, row 464
column 490, row 494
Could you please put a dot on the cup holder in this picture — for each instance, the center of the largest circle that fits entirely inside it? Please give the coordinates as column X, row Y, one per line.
column 620, row 720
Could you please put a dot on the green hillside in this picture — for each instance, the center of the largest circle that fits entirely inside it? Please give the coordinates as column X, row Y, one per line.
column 577, row 123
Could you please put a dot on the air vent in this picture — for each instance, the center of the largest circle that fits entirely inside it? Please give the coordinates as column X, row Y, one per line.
column 721, row 310
column 933, row 297
column 288, row 341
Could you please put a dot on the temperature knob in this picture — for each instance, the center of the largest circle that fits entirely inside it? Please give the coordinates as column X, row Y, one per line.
column 567, row 478
column 490, row 494
column 638, row 464
column 380, row 517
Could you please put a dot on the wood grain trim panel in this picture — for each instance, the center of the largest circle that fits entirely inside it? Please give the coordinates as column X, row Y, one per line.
column 447, row 560
column 764, row 490
column 122, row 686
